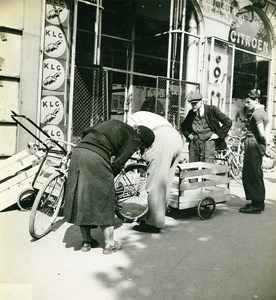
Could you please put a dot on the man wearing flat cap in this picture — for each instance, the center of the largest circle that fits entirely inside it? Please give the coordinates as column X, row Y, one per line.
column 205, row 128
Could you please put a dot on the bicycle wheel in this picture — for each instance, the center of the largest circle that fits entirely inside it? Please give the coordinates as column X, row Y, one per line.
column 46, row 206
column 131, row 195
column 269, row 160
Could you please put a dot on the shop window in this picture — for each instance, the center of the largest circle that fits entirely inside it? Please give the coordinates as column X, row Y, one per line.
column 250, row 72
column 151, row 37
column 85, row 35
column 114, row 53
column 117, row 18
column 151, row 55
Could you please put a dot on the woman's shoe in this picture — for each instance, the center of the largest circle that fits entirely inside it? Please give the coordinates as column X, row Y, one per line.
column 86, row 246
column 109, row 249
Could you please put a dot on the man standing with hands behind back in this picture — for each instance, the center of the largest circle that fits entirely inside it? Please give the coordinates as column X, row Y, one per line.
column 205, row 128
column 254, row 150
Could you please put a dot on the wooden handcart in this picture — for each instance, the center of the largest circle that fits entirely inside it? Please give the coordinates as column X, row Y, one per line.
column 200, row 185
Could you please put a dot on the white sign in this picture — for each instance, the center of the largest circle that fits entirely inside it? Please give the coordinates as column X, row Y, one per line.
column 54, row 132
column 52, row 110
column 56, row 11
column 53, row 74
column 55, row 41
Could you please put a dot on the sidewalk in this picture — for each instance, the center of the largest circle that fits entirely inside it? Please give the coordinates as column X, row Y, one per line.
column 231, row 256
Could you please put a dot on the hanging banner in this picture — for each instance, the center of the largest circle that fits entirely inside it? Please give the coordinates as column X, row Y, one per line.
column 55, row 67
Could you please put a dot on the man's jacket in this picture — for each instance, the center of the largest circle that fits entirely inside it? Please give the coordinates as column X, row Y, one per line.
column 216, row 120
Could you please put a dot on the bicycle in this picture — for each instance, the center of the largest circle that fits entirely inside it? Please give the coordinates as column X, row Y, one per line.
column 49, row 199
column 234, row 154
column 269, row 159
column 47, row 196
column 233, row 157
column 130, row 200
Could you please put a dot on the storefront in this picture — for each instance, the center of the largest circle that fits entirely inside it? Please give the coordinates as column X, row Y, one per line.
column 93, row 60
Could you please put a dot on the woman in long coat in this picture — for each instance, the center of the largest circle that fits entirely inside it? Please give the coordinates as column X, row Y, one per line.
column 90, row 193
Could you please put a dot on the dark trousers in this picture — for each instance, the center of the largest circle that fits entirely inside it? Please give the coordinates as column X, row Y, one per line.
column 201, row 151
column 252, row 173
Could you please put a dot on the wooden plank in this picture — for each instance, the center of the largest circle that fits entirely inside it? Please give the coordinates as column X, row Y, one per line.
column 223, row 170
column 191, row 198
column 192, row 185
column 198, row 165
column 217, row 178
column 14, row 167
column 18, row 178
column 30, row 173
column 10, row 196
column 6, row 162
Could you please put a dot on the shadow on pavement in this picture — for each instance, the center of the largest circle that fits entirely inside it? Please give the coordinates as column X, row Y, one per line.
column 73, row 239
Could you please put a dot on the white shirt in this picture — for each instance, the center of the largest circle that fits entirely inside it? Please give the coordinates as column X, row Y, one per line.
column 147, row 119
column 201, row 110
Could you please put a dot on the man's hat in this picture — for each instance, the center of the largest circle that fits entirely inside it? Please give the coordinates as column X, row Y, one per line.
column 195, row 97
column 147, row 136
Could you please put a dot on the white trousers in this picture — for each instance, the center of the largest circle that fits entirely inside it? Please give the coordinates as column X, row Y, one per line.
column 162, row 158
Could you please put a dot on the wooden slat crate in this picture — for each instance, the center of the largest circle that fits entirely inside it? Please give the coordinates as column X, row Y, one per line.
column 18, row 171
column 198, row 180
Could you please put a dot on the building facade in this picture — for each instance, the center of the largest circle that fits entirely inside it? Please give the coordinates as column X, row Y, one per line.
column 68, row 64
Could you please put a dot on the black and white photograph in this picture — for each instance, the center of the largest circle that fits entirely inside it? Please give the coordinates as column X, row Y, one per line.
column 138, row 149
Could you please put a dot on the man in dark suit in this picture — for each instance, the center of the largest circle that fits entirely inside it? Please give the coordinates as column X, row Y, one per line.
column 205, row 128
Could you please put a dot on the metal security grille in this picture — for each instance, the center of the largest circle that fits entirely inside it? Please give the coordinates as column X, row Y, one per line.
column 171, row 96
column 90, row 101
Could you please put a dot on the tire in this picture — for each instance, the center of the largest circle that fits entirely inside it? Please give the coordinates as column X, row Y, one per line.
column 269, row 160
column 46, row 206
column 235, row 169
column 131, row 195
column 26, row 199
column 206, row 208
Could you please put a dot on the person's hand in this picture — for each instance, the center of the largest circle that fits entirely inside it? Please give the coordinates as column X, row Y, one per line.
column 214, row 136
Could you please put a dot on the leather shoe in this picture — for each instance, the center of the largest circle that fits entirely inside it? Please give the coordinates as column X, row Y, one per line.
column 143, row 227
column 261, row 207
column 86, row 246
column 250, row 210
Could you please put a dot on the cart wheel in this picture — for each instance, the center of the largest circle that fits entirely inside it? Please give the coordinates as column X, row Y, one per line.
column 25, row 199
column 206, row 208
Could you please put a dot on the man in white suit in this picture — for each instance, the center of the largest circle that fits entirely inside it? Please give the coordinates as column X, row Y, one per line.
column 162, row 159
